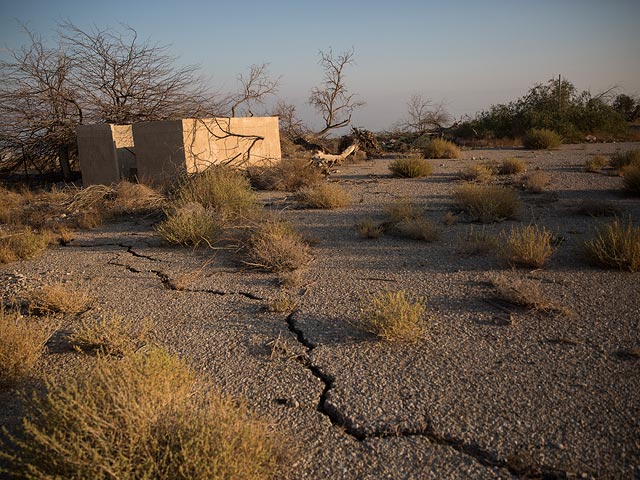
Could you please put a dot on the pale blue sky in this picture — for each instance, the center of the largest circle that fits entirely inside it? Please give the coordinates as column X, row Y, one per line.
column 471, row 54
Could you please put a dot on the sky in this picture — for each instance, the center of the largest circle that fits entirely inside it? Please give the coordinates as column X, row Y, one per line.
column 469, row 54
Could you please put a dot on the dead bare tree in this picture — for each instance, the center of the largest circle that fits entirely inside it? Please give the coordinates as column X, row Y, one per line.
column 332, row 98
column 123, row 79
column 39, row 109
column 291, row 126
column 254, row 88
column 423, row 115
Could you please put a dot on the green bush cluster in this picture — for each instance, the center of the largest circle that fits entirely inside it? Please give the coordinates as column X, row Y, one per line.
column 556, row 106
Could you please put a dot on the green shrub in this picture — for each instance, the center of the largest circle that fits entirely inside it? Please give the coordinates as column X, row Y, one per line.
column 223, row 190
column 190, row 225
column 440, row 148
column 394, row 316
column 144, row 416
column 488, row 203
column 616, row 245
column 410, row 168
column 528, row 246
column 541, row 139
column 324, row 195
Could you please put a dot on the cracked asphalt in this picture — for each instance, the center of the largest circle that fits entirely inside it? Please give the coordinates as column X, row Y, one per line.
column 533, row 396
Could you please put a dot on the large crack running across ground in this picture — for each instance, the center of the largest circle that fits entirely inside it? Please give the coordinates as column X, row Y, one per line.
column 166, row 280
column 515, row 466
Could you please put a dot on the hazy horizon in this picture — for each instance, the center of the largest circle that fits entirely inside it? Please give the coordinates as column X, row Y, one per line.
column 469, row 54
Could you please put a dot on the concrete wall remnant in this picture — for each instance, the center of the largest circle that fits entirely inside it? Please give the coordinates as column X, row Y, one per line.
column 158, row 152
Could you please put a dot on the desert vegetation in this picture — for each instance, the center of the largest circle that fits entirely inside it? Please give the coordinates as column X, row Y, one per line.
column 616, row 245
column 541, row 139
column 323, row 195
column 144, row 422
column 22, row 342
column 410, row 167
column 528, row 246
column 394, row 316
column 488, row 203
column 440, row 148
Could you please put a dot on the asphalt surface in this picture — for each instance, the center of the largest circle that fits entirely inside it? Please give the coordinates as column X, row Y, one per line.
column 491, row 390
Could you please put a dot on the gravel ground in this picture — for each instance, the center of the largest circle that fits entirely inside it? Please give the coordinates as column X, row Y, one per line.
column 491, row 391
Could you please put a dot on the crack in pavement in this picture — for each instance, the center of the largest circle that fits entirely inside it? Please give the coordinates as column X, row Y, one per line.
column 515, row 465
column 169, row 284
column 136, row 254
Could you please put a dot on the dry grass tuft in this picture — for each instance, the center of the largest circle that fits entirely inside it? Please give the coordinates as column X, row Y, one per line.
column 403, row 210
column 631, row 178
column 596, row 163
column 22, row 341
column 110, row 335
column 536, row 181
column 440, row 148
column 524, row 293
column 488, row 203
column 190, row 225
column 410, row 168
column 478, row 172
column 527, row 246
column 511, row 166
column 416, row 229
column 220, row 189
column 282, row 303
column 290, row 175
column 145, row 416
column 136, row 198
column 324, row 195
column 478, row 241
column 276, row 246
column 598, row 208
column 541, row 139
column 11, row 204
column 22, row 243
column 394, row 316
column 619, row 160
column 59, row 298
column 616, row 245
column 449, row 218
column 370, row 229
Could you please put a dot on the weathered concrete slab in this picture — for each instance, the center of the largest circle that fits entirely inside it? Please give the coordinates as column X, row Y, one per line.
column 158, row 152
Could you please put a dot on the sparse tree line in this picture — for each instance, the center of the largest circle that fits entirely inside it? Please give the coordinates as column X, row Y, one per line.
column 113, row 76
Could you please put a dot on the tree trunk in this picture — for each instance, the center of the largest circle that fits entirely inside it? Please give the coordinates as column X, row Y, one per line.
column 63, row 157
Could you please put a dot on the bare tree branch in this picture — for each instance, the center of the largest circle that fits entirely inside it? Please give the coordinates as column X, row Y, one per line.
column 423, row 115
column 39, row 108
column 255, row 87
column 332, row 99
column 125, row 80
